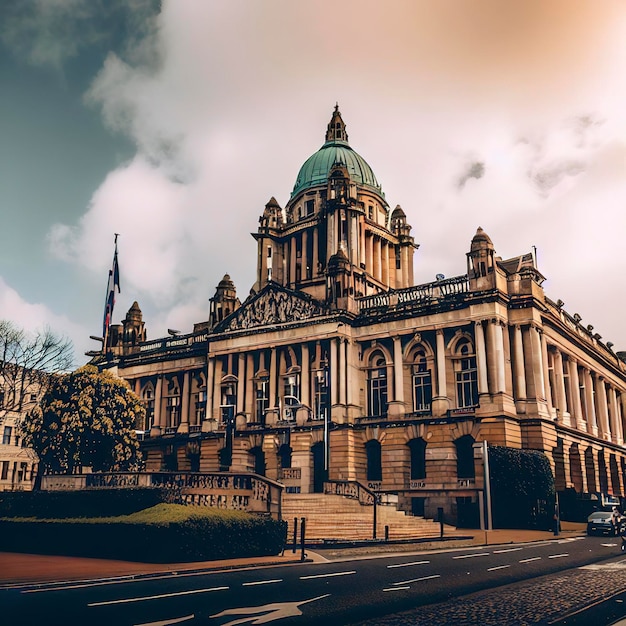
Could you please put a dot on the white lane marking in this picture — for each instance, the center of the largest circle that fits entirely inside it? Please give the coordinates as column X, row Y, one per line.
column 158, row 597
column 328, row 575
column 507, row 550
column 557, row 556
column 263, row 582
column 471, row 556
column 493, row 569
column 55, row 586
column 535, row 558
column 168, row 622
column 417, row 580
column 266, row 613
column 408, row 564
column 396, row 588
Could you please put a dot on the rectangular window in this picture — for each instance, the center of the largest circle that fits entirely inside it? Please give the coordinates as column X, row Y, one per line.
column 262, row 400
column 378, row 396
column 321, row 395
column 200, row 406
column 467, row 383
column 422, row 391
column 6, row 435
column 309, row 207
column 5, row 470
column 172, row 411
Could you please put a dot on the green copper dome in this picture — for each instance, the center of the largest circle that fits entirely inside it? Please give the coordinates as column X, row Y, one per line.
column 336, row 150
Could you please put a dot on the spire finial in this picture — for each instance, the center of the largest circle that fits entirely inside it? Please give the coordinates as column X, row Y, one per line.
column 336, row 130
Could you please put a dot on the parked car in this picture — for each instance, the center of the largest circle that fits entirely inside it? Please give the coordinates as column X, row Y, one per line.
column 600, row 523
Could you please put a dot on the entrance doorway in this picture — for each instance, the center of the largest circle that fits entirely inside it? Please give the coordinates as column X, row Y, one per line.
column 319, row 473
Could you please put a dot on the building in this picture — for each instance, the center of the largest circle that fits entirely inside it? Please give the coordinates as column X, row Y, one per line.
column 338, row 368
column 18, row 465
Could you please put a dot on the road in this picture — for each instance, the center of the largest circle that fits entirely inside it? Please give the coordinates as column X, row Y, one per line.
column 427, row 585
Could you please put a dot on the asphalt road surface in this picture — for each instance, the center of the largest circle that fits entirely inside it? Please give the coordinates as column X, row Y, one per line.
column 512, row 584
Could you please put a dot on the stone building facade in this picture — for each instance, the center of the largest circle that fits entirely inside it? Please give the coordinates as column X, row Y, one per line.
column 337, row 367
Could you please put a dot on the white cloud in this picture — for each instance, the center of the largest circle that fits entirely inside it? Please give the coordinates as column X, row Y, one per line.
column 225, row 101
column 34, row 317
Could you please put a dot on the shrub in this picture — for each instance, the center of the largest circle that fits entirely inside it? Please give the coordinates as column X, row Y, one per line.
column 163, row 533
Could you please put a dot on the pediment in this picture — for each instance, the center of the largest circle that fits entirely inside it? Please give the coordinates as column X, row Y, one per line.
column 273, row 305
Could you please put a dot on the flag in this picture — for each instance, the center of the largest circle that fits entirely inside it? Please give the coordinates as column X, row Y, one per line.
column 112, row 285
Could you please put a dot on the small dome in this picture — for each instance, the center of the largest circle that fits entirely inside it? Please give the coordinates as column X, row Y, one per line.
column 481, row 240
column 336, row 150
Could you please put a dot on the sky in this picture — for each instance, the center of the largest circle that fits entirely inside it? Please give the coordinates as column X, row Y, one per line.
column 173, row 123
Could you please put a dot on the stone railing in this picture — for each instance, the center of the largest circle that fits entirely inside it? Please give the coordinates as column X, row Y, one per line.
column 350, row 489
column 419, row 294
column 223, row 490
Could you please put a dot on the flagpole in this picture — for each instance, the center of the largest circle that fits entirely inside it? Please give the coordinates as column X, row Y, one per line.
column 110, row 296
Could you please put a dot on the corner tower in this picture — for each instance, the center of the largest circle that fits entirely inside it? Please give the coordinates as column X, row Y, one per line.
column 337, row 207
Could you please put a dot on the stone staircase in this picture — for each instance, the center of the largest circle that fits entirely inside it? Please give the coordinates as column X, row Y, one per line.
column 332, row 517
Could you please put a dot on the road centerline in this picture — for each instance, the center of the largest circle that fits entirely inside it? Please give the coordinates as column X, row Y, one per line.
column 158, row 597
column 327, row 575
column 471, row 556
column 408, row 564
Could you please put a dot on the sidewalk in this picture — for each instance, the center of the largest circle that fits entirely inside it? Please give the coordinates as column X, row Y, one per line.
column 32, row 568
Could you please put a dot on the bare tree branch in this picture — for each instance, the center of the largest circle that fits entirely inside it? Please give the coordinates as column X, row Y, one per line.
column 27, row 363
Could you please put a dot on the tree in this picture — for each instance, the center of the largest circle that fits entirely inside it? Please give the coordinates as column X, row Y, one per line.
column 26, row 364
column 86, row 419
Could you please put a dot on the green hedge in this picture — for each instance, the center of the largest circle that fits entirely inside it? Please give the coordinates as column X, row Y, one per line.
column 166, row 533
column 522, row 488
column 80, row 503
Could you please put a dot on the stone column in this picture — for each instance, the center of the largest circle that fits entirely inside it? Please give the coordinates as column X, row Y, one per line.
column 622, row 407
column 398, row 370
column 499, row 355
column 369, row 259
column 158, row 390
column 518, row 364
column 217, row 389
column 332, row 374
column 592, row 420
column 305, row 384
column 292, row 260
column 341, row 347
column 616, row 431
column 559, row 383
column 316, row 260
column 481, row 358
column 441, row 403
column 304, row 258
column 273, row 367
column 385, row 262
column 574, row 381
column 546, row 383
column 241, row 382
column 537, row 363
column 377, row 259
column 250, row 398
column 603, row 414
column 184, row 405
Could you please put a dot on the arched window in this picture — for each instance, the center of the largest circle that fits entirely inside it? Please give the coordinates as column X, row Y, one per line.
column 422, row 382
column 291, row 395
column 418, row 458
column 377, row 386
column 228, row 404
column 148, row 401
column 466, row 375
column 374, row 460
column 465, row 457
